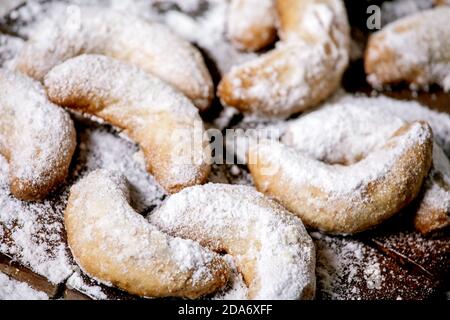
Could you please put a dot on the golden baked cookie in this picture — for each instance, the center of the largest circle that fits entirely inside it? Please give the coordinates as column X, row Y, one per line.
column 340, row 196
column 251, row 24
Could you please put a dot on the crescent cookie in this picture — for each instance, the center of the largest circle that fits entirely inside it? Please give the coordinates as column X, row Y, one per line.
column 340, row 196
column 351, row 131
column 251, row 24
column 414, row 49
column 117, row 246
column 441, row 2
column 36, row 137
column 161, row 120
column 148, row 45
column 305, row 67
column 270, row 246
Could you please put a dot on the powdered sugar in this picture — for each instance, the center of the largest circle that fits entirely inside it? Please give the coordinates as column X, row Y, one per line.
column 14, row 290
column 352, row 268
column 437, row 186
column 346, row 266
column 77, row 282
column 111, row 149
column 230, row 174
column 32, row 233
column 314, row 72
column 8, row 5
column 189, row 6
column 246, row 18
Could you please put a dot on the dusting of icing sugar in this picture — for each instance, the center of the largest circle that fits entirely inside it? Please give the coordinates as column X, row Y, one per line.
column 372, row 275
column 282, row 90
column 24, row 17
column 207, row 30
column 8, row 5
column 224, row 119
column 230, row 174
column 115, row 150
column 131, row 149
column 130, row 85
column 184, row 5
column 249, row 131
column 251, row 228
column 430, row 253
column 11, row 289
column 374, row 118
column 23, row 14
column 350, row 269
column 347, row 136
